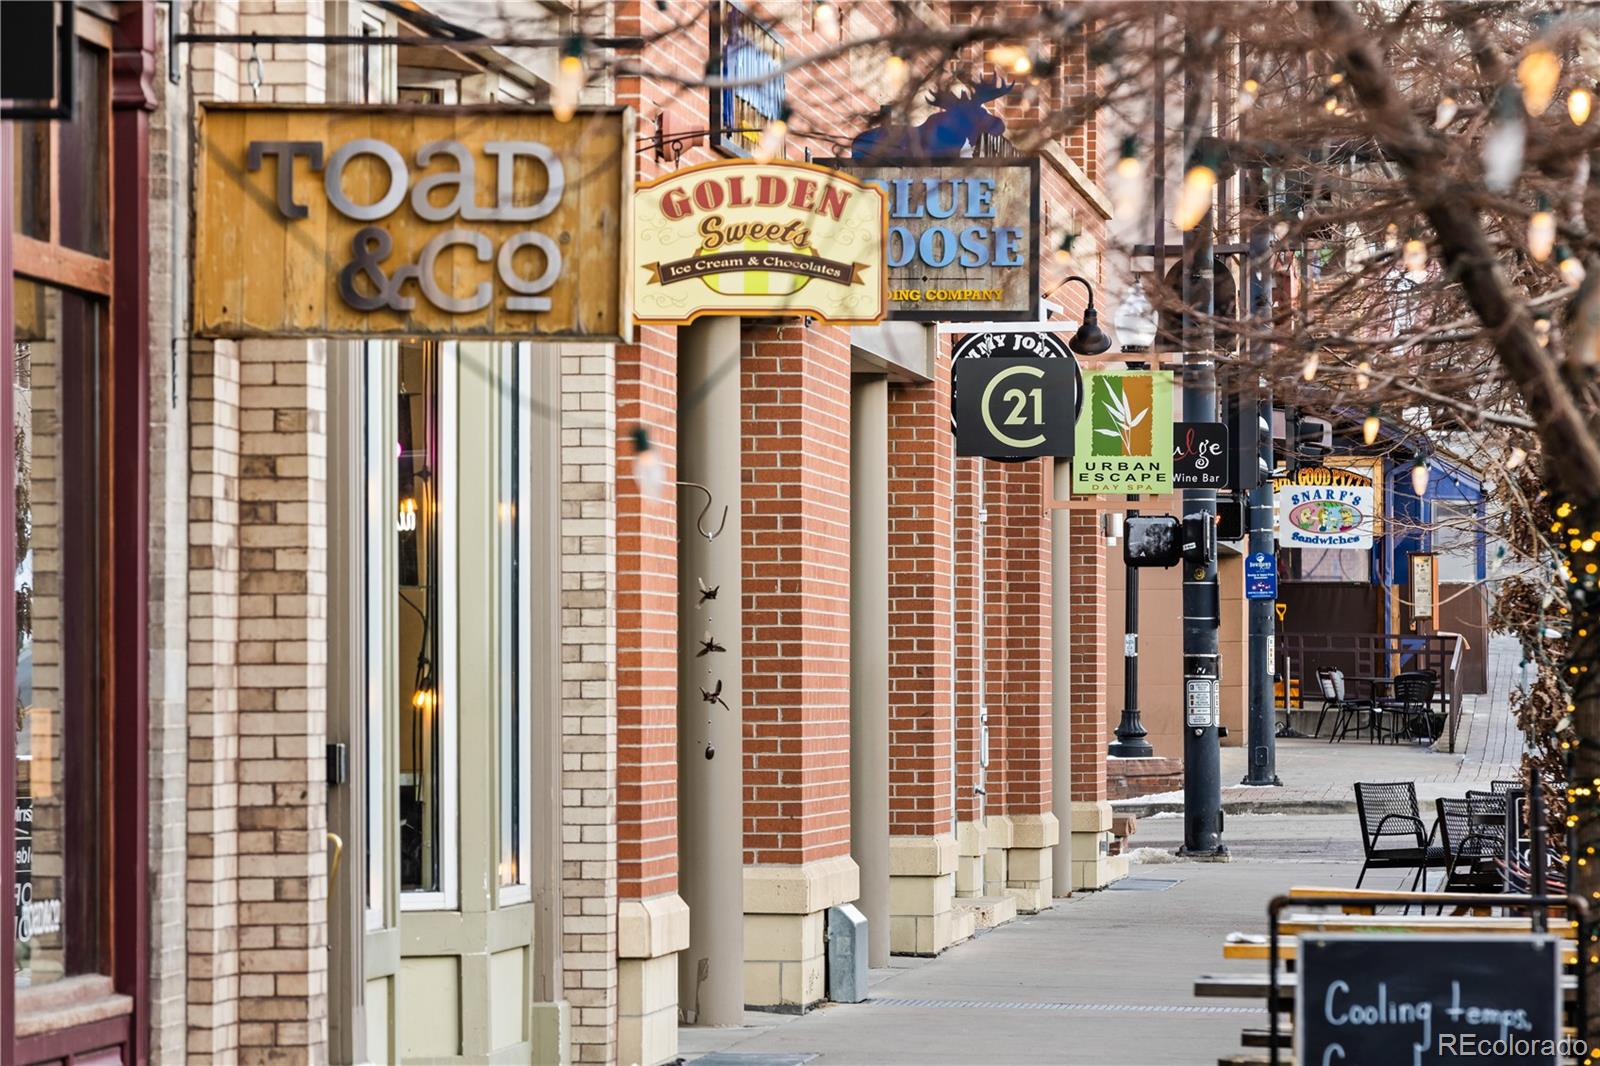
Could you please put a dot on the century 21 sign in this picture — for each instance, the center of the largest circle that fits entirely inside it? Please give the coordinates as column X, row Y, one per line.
column 423, row 221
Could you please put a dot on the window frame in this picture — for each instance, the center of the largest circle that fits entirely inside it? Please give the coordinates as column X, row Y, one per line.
column 524, row 506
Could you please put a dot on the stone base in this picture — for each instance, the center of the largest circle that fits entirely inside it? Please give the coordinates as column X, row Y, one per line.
column 987, row 912
column 970, row 845
column 552, row 1032
column 785, row 964
column 1093, row 865
column 650, row 933
column 1128, row 778
column 922, row 879
column 996, row 841
column 1030, row 878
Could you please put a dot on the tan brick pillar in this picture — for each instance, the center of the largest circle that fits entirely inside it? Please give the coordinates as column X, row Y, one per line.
column 282, row 674
column 796, row 550
column 922, row 842
column 213, row 764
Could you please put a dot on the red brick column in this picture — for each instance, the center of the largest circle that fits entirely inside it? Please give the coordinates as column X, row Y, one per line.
column 1092, row 867
column 967, row 545
column 796, row 551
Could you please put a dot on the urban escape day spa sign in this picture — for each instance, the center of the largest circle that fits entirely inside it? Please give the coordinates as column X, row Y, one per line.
column 963, row 237
column 1331, row 506
column 740, row 238
column 1124, row 440
column 428, row 221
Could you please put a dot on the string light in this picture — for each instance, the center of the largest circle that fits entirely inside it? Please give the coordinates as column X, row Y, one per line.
column 1127, row 181
column 1063, row 252
column 1194, row 199
column 1415, row 259
column 1363, row 375
column 1012, row 57
column 1445, row 112
column 569, row 80
column 1541, row 232
column 647, row 471
column 1419, row 477
column 1505, row 141
column 825, row 18
column 1580, row 102
column 771, row 144
column 1539, row 72
column 1248, row 90
column 1391, row 237
column 1570, row 266
column 1309, row 370
column 1370, row 426
column 894, row 74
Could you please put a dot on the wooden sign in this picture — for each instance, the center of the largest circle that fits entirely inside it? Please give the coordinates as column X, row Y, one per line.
column 963, row 237
column 436, row 221
column 1412, row 1000
column 741, row 238
column 1124, row 441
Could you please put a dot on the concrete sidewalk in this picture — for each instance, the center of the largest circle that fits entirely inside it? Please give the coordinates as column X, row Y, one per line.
column 1319, row 776
column 1102, row 978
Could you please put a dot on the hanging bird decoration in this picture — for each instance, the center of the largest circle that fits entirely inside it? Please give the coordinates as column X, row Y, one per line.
column 714, row 696
column 707, row 592
column 708, row 644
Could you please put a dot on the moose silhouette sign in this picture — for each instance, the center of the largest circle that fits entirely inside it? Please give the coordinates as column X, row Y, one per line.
column 963, row 239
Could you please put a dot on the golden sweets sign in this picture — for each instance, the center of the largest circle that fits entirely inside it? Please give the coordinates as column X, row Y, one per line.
column 743, row 238
column 425, row 220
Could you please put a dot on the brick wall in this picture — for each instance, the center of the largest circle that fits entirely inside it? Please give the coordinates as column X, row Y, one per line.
column 796, row 552
column 1025, row 564
column 588, row 682
column 967, row 545
column 921, row 556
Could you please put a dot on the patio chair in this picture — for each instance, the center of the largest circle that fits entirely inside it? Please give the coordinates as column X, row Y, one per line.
column 1347, row 712
column 1330, row 701
column 1504, row 788
column 1412, row 704
column 1472, row 830
column 1392, row 836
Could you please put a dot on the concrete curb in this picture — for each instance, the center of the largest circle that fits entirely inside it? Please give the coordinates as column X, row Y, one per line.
column 1241, row 806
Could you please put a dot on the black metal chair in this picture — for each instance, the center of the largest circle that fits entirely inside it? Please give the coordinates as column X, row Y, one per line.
column 1330, row 701
column 1392, row 836
column 1347, row 712
column 1472, row 831
column 1412, row 704
column 1504, row 788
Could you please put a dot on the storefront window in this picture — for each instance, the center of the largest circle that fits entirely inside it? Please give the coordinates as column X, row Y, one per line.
column 512, row 579
column 59, row 880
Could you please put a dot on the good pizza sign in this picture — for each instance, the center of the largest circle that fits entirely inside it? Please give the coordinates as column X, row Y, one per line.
column 742, row 238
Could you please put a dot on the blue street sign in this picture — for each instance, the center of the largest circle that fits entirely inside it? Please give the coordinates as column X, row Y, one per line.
column 1260, row 576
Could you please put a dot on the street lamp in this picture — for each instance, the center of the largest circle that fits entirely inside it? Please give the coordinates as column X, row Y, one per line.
column 1090, row 338
column 1136, row 328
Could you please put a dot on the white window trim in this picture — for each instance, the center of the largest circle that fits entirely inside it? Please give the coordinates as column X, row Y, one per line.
column 525, row 507
column 446, row 897
column 379, row 519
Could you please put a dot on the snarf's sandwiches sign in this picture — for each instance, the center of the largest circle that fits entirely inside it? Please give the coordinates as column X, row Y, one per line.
column 742, row 238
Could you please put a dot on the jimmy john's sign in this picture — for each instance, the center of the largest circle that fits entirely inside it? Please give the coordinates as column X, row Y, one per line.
column 427, row 221
column 756, row 239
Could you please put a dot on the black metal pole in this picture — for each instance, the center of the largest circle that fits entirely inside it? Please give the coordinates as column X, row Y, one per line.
column 1202, row 754
column 1262, row 768
column 1131, row 742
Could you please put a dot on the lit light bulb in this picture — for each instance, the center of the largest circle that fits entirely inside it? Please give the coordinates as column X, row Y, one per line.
column 771, row 144
column 1539, row 72
column 1370, row 426
column 1248, row 90
column 1445, row 113
column 1011, row 57
column 1571, row 267
column 1415, row 258
column 1280, row 229
column 1505, row 142
column 406, row 521
column 1309, row 371
column 647, row 471
column 1063, row 252
column 569, row 81
column 1330, row 103
column 1516, row 458
column 1541, row 330
column 1391, row 237
column 1580, row 102
column 1363, row 375
column 1127, row 181
column 894, row 75
column 1194, row 199
column 1541, row 234
column 1419, row 477
column 825, row 18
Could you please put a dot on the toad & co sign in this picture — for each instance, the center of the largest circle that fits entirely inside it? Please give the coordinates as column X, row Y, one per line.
column 423, row 221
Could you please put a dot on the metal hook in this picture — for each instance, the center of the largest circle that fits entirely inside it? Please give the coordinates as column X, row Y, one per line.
column 254, row 73
column 700, row 519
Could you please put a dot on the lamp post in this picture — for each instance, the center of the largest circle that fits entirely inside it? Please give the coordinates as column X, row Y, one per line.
column 1136, row 328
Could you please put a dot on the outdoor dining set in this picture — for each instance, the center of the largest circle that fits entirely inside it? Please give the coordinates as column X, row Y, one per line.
column 1394, row 708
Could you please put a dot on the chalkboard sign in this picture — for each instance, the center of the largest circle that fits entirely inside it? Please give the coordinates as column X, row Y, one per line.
column 1412, row 1000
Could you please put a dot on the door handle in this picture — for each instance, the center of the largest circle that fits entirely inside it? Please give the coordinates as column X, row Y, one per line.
column 338, row 853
